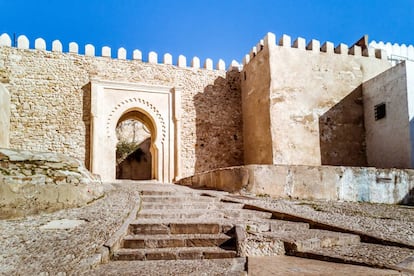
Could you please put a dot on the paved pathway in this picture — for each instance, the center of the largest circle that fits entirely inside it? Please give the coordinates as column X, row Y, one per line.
column 293, row 266
column 26, row 248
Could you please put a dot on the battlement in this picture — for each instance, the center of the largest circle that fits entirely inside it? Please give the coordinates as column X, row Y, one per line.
column 313, row 46
column 153, row 57
column 395, row 52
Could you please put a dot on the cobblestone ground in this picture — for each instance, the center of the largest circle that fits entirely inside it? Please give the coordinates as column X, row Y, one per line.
column 391, row 222
column 26, row 249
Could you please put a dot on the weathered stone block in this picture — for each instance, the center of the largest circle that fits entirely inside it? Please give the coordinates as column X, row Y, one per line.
column 133, row 243
column 219, row 254
column 161, row 256
column 28, row 184
column 192, row 255
column 249, row 245
column 191, row 228
column 142, row 229
column 267, row 180
column 171, row 242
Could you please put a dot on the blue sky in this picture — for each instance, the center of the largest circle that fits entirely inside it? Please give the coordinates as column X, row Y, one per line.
column 214, row 29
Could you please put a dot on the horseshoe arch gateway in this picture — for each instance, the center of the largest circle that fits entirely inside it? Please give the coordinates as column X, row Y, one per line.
column 160, row 105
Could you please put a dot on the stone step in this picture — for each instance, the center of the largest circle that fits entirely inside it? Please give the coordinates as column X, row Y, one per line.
column 179, row 214
column 283, row 225
column 167, row 193
column 246, row 214
column 179, row 199
column 273, row 225
column 179, row 240
column 173, row 253
column 198, row 213
column 373, row 255
column 313, row 239
column 144, row 227
column 227, row 266
column 191, row 205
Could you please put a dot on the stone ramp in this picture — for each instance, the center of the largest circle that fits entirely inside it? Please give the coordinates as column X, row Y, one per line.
column 312, row 239
column 333, row 245
column 374, row 255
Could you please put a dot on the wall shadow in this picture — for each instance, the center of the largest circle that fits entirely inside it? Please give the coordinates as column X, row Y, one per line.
column 137, row 165
column 342, row 132
column 408, row 199
column 86, row 118
column 219, row 133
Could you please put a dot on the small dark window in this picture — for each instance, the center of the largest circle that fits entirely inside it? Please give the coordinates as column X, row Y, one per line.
column 380, row 111
column 245, row 75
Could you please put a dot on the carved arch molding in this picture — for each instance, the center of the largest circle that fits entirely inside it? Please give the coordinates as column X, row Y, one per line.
column 161, row 105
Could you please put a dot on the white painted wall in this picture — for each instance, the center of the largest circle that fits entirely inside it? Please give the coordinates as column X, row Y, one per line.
column 388, row 140
column 409, row 65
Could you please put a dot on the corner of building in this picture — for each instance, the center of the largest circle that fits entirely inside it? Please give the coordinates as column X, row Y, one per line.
column 255, row 87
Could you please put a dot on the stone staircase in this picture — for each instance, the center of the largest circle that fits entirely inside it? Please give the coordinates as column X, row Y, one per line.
column 178, row 226
column 178, row 223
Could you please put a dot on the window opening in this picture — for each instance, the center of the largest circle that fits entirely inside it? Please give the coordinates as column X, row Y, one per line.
column 380, row 111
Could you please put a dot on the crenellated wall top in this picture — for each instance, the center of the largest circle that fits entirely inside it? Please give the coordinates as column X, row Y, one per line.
column 314, row 46
column 395, row 52
column 121, row 54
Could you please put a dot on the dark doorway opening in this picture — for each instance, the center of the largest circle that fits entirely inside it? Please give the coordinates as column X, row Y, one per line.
column 133, row 151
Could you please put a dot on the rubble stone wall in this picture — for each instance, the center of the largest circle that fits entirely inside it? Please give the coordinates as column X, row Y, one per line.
column 50, row 104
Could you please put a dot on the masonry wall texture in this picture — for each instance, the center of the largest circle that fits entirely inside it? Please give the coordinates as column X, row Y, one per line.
column 4, row 116
column 50, row 104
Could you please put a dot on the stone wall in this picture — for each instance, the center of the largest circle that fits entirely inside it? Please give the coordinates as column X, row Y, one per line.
column 4, row 116
column 355, row 184
column 32, row 182
column 314, row 98
column 50, row 104
column 256, row 113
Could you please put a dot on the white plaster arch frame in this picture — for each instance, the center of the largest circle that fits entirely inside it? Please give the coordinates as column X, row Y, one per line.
column 160, row 104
